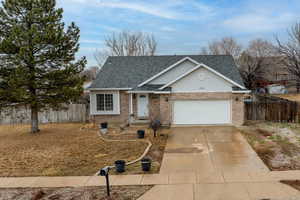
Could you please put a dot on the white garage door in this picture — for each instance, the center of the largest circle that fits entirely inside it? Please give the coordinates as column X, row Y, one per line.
column 202, row 112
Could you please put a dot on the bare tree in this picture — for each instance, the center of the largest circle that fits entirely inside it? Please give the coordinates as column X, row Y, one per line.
column 256, row 60
column 127, row 43
column 251, row 69
column 225, row 46
column 101, row 56
column 290, row 50
column 262, row 48
column 90, row 73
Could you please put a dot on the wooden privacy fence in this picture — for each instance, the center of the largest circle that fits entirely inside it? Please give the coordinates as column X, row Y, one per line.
column 22, row 115
column 271, row 109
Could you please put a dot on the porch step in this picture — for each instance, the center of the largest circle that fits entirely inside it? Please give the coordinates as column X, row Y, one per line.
column 140, row 122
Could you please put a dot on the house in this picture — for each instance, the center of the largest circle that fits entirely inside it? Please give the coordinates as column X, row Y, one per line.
column 275, row 72
column 177, row 90
column 86, row 86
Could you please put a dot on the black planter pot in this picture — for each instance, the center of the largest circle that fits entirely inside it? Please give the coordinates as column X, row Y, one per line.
column 104, row 125
column 120, row 166
column 141, row 134
column 146, row 164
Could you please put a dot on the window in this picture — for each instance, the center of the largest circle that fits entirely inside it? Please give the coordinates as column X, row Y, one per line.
column 105, row 102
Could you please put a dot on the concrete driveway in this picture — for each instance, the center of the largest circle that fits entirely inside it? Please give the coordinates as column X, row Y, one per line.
column 209, row 150
column 215, row 163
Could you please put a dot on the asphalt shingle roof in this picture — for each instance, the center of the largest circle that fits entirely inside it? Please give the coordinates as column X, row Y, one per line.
column 130, row 71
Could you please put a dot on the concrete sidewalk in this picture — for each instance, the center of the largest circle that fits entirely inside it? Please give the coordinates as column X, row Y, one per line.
column 150, row 179
column 187, row 186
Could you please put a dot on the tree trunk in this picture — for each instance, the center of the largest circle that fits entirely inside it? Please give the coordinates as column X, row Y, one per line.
column 34, row 120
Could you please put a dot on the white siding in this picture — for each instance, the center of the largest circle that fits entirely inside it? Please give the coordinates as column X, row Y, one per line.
column 116, row 103
column 202, row 80
column 173, row 73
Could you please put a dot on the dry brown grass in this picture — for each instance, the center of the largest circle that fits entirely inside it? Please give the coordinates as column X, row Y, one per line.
column 293, row 183
column 155, row 153
column 59, row 150
column 276, row 150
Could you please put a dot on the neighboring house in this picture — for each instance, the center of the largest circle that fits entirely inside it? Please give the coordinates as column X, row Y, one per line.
column 277, row 73
column 177, row 90
column 86, row 86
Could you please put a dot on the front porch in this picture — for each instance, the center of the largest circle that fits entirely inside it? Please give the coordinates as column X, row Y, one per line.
column 146, row 106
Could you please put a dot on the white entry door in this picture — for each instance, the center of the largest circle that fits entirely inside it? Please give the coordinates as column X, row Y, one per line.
column 142, row 105
column 202, row 112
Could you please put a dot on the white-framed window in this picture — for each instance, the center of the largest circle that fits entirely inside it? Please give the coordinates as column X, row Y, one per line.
column 105, row 103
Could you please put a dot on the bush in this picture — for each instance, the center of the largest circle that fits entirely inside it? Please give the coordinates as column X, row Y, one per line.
column 155, row 125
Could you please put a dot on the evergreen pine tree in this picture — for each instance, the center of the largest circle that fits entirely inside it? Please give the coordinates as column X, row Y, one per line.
column 38, row 67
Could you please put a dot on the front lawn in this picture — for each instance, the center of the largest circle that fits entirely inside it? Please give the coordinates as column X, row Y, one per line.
column 277, row 144
column 81, row 193
column 60, row 150
column 155, row 153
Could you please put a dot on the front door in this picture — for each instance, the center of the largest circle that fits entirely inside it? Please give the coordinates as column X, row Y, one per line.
column 142, row 105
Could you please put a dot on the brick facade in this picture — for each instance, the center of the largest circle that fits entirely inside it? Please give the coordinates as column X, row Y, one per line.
column 160, row 106
column 237, row 104
column 118, row 119
column 154, row 106
column 165, row 110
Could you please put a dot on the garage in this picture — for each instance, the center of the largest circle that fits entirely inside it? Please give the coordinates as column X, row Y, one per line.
column 202, row 112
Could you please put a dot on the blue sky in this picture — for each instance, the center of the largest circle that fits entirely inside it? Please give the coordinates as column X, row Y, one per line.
column 180, row 26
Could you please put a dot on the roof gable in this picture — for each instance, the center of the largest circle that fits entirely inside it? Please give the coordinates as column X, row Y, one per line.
column 131, row 71
column 200, row 79
column 168, row 69
column 172, row 74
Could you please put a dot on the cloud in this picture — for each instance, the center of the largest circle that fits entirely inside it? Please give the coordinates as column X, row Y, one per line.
column 110, row 28
column 180, row 26
column 88, row 41
column 141, row 7
column 167, row 29
column 166, row 9
column 255, row 23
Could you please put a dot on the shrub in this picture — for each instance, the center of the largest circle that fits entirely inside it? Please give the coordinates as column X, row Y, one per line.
column 155, row 125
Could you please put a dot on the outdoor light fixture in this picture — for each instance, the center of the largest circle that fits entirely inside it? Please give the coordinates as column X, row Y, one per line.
column 167, row 99
column 105, row 172
column 236, row 99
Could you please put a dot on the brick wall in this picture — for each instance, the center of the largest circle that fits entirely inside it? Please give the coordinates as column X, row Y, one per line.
column 118, row 119
column 238, row 109
column 237, row 104
column 165, row 109
column 154, row 106
column 160, row 106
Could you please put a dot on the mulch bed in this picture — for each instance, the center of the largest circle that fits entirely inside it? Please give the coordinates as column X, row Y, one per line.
column 80, row 193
